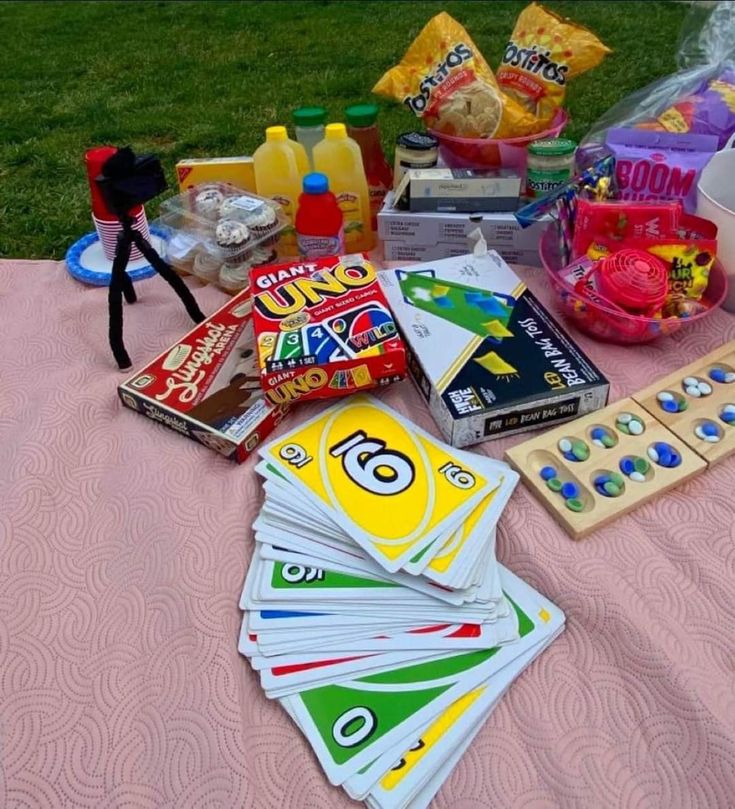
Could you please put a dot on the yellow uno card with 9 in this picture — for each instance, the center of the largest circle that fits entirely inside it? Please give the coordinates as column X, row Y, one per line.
column 392, row 487
column 440, row 565
column 476, row 527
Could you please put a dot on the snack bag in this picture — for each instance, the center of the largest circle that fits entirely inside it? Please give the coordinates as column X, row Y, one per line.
column 688, row 261
column 659, row 165
column 582, row 276
column 619, row 219
column 709, row 111
column 689, row 266
column 543, row 53
column 444, row 79
column 697, row 99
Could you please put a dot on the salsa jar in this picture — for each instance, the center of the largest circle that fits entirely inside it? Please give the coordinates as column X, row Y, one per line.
column 550, row 165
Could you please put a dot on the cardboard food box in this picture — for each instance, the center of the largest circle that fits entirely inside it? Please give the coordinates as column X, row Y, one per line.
column 207, row 385
column 458, row 190
column 238, row 171
column 485, row 354
column 428, row 236
column 323, row 329
column 402, row 251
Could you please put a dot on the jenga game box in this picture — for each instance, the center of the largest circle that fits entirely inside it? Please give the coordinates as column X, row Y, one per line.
column 323, row 329
column 207, row 386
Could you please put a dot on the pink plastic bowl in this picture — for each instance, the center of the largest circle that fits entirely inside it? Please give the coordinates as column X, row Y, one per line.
column 466, row 153
column 609, row 325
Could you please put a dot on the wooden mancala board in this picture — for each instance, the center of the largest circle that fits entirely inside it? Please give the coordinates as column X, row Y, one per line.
column 601, row 441
column 706, row 391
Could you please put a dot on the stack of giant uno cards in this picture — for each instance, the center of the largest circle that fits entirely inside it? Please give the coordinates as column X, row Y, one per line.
column 375, row 609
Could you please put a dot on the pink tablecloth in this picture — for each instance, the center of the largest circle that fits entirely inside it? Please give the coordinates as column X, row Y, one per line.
column 122, row 552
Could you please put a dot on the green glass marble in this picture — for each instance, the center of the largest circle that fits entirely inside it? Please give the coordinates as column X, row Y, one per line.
column 641, row 465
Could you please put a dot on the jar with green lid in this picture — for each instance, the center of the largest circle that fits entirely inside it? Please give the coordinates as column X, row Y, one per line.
column 550, row 165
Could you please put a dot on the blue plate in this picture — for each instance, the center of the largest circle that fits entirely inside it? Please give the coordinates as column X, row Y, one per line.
column 86, row 261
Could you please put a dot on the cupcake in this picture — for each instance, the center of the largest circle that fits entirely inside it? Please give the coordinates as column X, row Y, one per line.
column 263, row 222
column 181, row 252
column 262, row 255
column 207, row 203
column 234, row 277
column 233, row 239
column 234, row 208
column 207, row 266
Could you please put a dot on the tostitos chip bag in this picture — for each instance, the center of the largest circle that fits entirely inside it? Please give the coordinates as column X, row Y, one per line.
column 543, row 53
column 444, row 79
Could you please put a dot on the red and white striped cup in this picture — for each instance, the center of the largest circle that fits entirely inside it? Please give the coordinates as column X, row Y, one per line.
column 107, row 230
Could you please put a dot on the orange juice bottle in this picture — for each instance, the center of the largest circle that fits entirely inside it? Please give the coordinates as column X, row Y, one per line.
column 339, row 157
column 280, row 164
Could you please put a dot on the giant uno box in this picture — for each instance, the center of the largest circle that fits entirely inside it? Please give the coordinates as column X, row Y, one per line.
column 486, row 355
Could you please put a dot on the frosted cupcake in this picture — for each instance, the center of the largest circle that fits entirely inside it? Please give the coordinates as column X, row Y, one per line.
column 263, row 222
column 235, row 207
column 233, row 239
column 207, row 266
column 262, row 255
column 207, row 203
column 234, row 277
column 181, row 252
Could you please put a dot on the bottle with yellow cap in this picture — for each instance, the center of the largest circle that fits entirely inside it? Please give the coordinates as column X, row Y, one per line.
column 340, row 158
column 280, row 164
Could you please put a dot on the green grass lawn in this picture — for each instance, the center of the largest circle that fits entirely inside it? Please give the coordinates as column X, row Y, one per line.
column 188, row 79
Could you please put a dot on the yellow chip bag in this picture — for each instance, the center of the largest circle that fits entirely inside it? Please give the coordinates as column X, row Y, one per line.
column 444, row 79
column 543, row 53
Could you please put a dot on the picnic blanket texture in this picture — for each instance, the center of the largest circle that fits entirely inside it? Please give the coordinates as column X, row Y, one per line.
column 123, row 549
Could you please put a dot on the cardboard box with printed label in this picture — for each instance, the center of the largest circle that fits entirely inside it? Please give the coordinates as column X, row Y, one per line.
column 458, row 190
column 207, row 385
column 238, row 171
column 323, row 329
column 428, row 236
column 401, row 251
column 486, row 355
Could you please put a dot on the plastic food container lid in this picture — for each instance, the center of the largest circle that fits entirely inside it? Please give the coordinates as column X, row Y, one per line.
column 361, row 114
column 309, row 116
column 417, row 141
column 179, row 216
column 553, row 147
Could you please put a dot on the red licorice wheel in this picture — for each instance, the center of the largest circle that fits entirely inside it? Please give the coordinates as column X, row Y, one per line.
column 634, row 279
